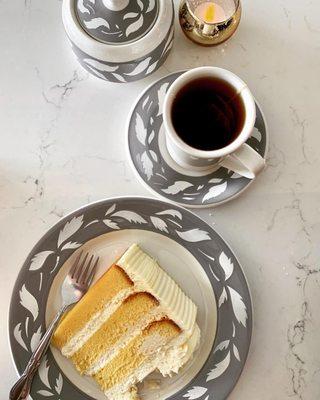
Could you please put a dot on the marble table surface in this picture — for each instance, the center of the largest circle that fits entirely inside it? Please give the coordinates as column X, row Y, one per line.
column 63, row 145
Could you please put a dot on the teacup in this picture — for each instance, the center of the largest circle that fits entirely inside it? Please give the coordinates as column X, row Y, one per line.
column 236, row 155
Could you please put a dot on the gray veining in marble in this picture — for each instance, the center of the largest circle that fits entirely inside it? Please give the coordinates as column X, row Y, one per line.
column 63, row 145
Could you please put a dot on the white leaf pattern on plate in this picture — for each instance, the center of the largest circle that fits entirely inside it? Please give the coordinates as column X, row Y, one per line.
column 134, row 26
column 153, row 155
column 235, row 176
column 238, row 306
column 141, row 131
column 223, row 297
column 130, row 216
column 151, row 137
column 118, row 77
column 110, row 209
column 43, row 372
column 214, row 191
column 222, row 346
column 236, row 352
column 110, row 224
column 147, row 165
column 130, row 15
column 96, row 73
column 158, row 223
column 152, row 3
column 140, row 3
column 100, row 66
column 70, row 245
column 45, row 393
column 59, row 383
column 256, row 134
column 177, row 187
column 28, row 301
column 168, row 44
column 219, row 368
column 215, row 180
column 39, row 259
column 70, row 229
column 18, row 336
column 140, row 67
column 35, row 339
column 195, row 392
column 173, row 213
column 226, row 265
column 194, row 235
column 161, row 95
column 96, row 23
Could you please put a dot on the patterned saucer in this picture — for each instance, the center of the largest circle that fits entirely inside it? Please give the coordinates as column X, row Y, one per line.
column 161, row 174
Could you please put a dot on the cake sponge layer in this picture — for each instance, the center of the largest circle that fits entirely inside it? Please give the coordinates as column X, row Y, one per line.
column 140, row 349
column 93, row 302
column 133, row 309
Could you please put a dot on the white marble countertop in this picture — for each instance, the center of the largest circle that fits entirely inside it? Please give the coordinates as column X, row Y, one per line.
column 63, row 145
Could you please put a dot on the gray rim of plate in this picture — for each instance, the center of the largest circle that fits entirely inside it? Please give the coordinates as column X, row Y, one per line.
column 224, row 365
column 145, row 123
column 117, row 27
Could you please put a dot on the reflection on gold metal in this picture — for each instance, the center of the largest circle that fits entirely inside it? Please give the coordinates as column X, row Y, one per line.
column 204, row 33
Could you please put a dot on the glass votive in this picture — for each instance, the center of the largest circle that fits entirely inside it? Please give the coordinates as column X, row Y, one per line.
column 209, row 22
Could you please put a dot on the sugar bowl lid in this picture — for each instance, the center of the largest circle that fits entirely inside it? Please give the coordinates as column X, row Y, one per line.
column 117, row 21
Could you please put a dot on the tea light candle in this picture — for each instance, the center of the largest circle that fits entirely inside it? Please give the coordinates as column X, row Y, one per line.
column 210, row 12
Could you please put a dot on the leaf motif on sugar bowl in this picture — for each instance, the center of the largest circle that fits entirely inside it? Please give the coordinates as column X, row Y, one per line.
column 141, row 131
column 18, row 336
column 238, row 306
column 100, row 66
column 140, row 67
column 71, row 245
column 70, row 228
column 226, row 264
column 39, row 259
column 134, row 26
column 130, row 15
column 195, row 393
column 160, row 224
column 28, row 301
column 219, row 368
column 45, row 393
column 97, row 23
column 236, row 352
column 110, row 209
column 130, row 216
column 82, row 8
column 194, row 235
column 177, row 187
column 151, row 5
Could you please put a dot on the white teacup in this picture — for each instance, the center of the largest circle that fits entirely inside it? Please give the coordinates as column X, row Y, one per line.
column 237, row 156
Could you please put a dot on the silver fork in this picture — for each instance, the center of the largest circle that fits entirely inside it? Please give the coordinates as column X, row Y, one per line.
column 75, row 285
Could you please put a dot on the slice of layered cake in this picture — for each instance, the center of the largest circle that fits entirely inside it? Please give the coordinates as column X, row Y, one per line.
column 133, row 320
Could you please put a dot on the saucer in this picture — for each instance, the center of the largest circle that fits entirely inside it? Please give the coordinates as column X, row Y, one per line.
column 162, row 175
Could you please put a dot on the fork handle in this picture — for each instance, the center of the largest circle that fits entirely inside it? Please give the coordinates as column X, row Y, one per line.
column 21, row 389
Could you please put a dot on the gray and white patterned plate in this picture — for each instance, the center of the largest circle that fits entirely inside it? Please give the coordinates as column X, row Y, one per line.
column 187, row 247
column 157, row 170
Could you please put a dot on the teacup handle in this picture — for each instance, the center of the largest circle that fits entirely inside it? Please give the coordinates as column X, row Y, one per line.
column 245, row 161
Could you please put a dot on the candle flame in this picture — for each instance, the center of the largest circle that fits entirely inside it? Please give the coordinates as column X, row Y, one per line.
column 209, row 13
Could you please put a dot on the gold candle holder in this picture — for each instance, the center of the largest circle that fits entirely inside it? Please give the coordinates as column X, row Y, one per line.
column 209, row 22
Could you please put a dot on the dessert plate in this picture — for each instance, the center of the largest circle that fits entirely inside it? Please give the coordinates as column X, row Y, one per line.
column 161, row 174
column 194, row 255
